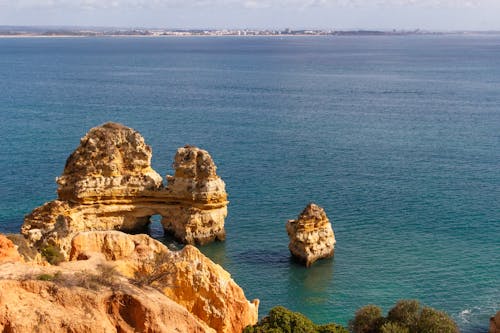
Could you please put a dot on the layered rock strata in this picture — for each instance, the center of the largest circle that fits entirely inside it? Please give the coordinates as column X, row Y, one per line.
column 108, row 184
column 201, row 197
column 116, row 282
column 311, row 235
column 204, row 288
column 112, row 163
column 46, row 306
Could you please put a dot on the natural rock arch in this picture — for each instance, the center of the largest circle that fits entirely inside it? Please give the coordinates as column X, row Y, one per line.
column 108, row 184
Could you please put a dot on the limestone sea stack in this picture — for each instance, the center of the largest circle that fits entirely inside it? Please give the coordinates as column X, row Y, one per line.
column 108, row 184
column 200, row 194
column 311, row 235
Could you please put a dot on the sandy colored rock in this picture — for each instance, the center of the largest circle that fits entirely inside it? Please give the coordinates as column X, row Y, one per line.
column 8, row 251
column 209, row 292
column 187, row 277
column 108, row 184
column 69, row 303
column 115, row 245
column 201, row 194
column 495, row 323
column 311, row 235
column 112, row 162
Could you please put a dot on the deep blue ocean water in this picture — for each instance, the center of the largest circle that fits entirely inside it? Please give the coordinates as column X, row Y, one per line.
column 398, row 138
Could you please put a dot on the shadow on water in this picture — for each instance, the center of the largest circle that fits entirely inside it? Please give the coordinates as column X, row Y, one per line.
column 259, row 257
column 155, row 229
column 216, row 252
column 310, row 286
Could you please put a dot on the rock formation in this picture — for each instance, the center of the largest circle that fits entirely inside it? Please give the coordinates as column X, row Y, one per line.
column 311, row 235
column 8, row 252
column 187, row 277
column 209, row 292
column 86, row 297
column 120, row 282
column 110, row 281
column 112, row 163
column 495, row 323
column 201, row 194
column 108, row 184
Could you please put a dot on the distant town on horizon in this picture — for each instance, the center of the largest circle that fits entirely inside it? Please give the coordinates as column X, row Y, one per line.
column 54, row 31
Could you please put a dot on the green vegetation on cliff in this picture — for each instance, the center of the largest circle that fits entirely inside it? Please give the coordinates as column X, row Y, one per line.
column 407, row 316
column 282, row 320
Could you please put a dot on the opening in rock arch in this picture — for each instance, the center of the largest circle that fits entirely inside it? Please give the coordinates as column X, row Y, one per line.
column 155, row 229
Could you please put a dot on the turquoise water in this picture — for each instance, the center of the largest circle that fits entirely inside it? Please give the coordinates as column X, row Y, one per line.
column 396, row 137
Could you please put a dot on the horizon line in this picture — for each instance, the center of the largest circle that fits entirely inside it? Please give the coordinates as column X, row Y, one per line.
column 360, row 29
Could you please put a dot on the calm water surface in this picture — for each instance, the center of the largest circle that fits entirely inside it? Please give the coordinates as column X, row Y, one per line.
column 396, row 137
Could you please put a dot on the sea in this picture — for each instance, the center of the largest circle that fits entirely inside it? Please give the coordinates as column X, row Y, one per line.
column 396, row 137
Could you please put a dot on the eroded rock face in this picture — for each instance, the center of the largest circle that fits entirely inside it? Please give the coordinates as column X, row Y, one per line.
column 495, row 323
column 8, row 251
column 108, row 184
column 311, row 235
column 189, row 278
column 148, row 288
column 29, row 302
column 201, row 195
column 112, row 162
column 208, row 291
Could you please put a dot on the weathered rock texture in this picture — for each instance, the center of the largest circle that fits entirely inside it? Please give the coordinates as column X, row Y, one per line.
column 108, row 184
column 76, row 301
column 117, row 282
column 187, row 277
column 208, row 291
column 112, row 163
column 311, row 235
column 8, row 250
column 201, row 196
column 495, row 323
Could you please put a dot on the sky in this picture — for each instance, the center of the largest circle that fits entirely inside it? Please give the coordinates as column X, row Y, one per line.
column 435, row 15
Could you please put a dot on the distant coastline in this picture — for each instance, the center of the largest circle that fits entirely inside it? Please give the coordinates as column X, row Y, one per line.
column 65, row 32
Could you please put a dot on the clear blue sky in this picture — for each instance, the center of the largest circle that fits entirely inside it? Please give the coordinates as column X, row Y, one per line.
column 331, row 14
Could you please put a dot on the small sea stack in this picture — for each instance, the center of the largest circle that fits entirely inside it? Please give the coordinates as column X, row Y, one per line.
column 311, row 235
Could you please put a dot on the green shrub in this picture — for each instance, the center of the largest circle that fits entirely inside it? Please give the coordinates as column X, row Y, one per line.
column 289, row 322
column 45, row 277
column 407, row 316
column 52, row 254
column 391, row 327
column 405, row 313
column 282, row 320
column 367, row 319
column 434, row 321
column 331, row 328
